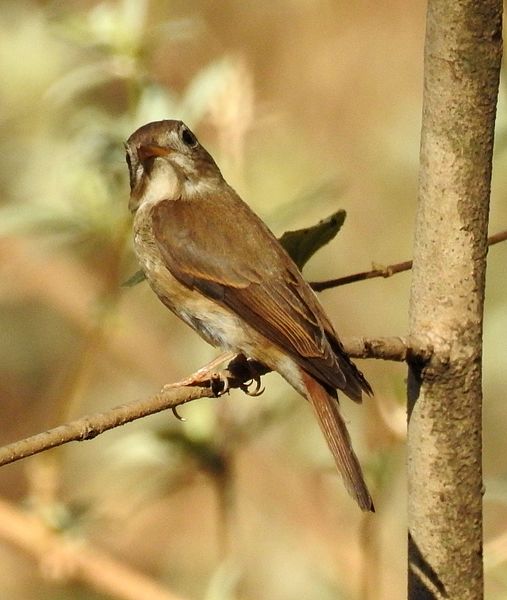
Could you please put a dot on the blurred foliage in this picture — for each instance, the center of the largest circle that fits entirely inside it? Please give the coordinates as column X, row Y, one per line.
column 295, row 101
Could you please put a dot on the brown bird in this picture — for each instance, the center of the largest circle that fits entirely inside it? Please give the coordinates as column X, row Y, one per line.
column 217, row 266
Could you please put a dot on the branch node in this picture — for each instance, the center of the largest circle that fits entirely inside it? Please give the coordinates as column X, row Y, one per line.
column 88, row 432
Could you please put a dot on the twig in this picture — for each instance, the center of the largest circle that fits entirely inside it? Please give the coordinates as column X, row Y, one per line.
column 174, row 395
column 388, row 271
column 391, row 348
column 171, row 396
column 496, row 238
column 88, row 427
column 320, row 286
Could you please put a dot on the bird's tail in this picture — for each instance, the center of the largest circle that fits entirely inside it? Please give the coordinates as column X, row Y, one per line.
column 325, row 405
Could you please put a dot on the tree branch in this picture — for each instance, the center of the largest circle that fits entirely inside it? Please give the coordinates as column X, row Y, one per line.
column 88, row 427
column 398, row 349
column 203, row 385
column 385, row 272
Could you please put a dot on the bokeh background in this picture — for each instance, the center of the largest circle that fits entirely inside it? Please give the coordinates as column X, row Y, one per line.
column 308, row 106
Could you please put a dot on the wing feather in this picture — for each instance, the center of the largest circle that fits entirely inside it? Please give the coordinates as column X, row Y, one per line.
column 230, row 255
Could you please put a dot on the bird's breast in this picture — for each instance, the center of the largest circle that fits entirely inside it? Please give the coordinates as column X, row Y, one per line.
column 215, row 323
column 218, row 325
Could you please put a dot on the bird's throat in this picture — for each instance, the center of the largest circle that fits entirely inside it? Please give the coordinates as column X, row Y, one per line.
column 160, row 183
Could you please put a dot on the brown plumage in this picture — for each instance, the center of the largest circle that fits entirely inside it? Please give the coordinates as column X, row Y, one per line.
column 218, row 267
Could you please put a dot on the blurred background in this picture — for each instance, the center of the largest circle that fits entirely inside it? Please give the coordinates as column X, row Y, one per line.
column 308, row 106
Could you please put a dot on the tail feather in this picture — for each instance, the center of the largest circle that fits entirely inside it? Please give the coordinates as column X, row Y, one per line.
column 333, row 427
column 355, row 381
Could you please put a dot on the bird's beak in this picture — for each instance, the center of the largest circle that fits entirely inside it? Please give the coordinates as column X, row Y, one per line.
column 144, row 153
column 151, row 151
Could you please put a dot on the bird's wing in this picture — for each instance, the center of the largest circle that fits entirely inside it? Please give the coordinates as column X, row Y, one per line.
column 227, row 253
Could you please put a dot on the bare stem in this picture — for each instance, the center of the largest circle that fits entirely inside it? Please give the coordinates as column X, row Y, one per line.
column 174, row 395
column 385, row 272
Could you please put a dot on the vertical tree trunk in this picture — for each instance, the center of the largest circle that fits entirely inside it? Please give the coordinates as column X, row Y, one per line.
column 462, row 65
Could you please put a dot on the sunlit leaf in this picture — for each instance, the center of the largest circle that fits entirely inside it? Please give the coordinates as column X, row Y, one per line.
column 303, row 243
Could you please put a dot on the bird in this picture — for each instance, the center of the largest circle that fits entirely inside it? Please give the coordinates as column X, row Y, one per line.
column 215, row 264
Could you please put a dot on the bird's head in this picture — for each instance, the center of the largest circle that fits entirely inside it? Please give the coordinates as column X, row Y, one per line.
column 166, row 161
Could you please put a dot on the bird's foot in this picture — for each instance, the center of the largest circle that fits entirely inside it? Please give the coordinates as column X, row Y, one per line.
column 248, row 372
column 241, row 372
column 218, row 381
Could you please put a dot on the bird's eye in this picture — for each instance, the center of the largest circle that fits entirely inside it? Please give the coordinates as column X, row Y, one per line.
column 188, row 138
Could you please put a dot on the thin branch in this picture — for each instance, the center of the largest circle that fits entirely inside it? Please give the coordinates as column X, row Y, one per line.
column 174, row 395
column 496, row 238
column 385, row 272
column 320, row 286
column 86, row 428
column 391, row 348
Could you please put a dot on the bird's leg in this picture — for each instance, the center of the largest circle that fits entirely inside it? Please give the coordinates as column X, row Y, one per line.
column 241, row 370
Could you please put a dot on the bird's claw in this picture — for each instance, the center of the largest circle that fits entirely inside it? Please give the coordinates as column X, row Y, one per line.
column 239, row 369
column 177, row 414
column 245, row 387
column 219, row 383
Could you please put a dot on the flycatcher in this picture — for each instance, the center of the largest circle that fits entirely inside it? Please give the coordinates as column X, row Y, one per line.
column 217, row 266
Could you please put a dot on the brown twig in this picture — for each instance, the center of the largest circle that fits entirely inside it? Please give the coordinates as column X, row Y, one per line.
column 86, row 428
column 320, row 286
column 388, row 271
column 392, row 348
column 174, row 395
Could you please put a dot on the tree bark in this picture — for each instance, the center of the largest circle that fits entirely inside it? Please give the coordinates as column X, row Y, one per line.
column 462, row 64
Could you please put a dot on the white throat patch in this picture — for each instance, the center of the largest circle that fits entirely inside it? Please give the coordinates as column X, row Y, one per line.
column 163, row 184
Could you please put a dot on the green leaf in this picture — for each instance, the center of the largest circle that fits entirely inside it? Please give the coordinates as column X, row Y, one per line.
column 134, row 279
column 302, row 244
